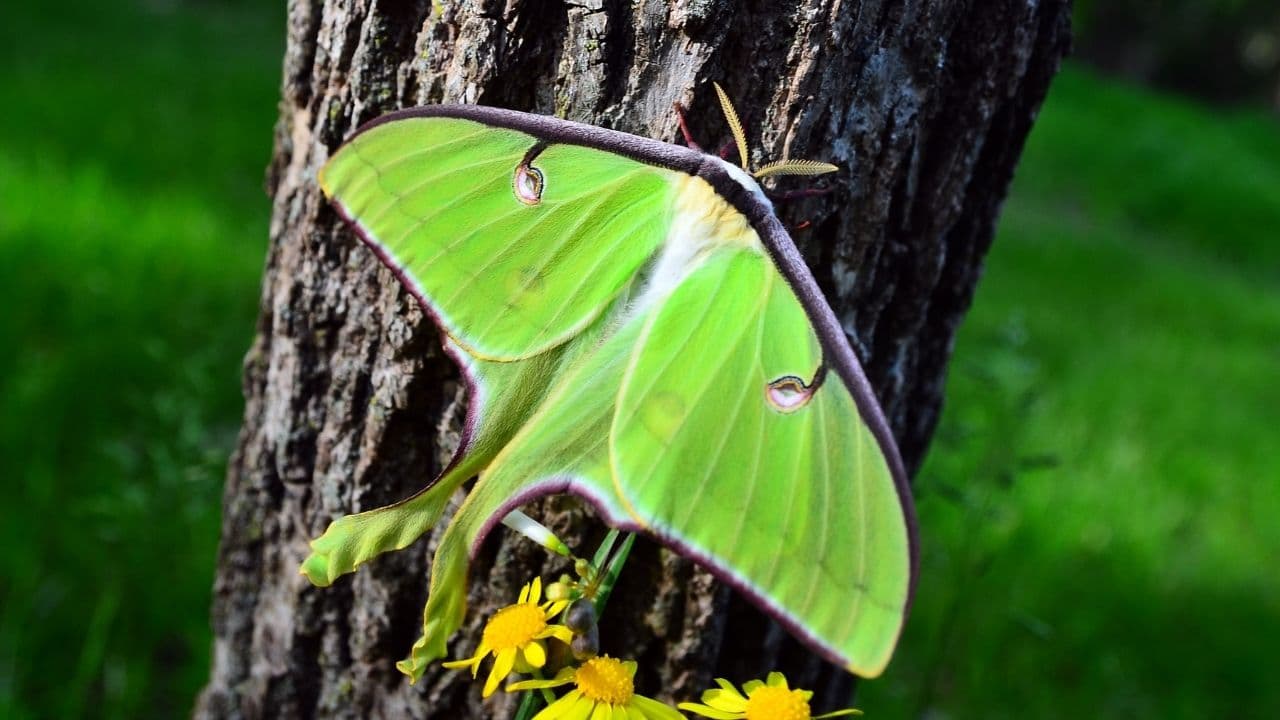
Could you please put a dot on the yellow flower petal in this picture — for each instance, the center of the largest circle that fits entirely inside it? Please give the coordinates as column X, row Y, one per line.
column 772, row 698
column 728, row 687
column 502, row 664
column 580, row 710
column 564, row 677
column 557, row 709
column 559, row 632
column 652, row 709
column 535, row 591
column 727, row 701
column 473, row 662
column 534, row 655
column 708, row 711
column 602, row 711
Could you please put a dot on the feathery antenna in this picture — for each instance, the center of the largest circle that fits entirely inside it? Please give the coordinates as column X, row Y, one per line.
column 777, row 167
column 731, row 115
column 794, row 167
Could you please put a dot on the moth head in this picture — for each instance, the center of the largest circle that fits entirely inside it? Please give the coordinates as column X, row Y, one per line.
column 777, row 167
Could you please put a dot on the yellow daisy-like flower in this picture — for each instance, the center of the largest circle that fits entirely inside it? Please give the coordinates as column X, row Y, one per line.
column 603, row 690
column 770, row 700
column 514, row 634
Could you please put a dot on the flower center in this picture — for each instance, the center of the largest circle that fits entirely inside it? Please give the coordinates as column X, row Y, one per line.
column 605, row 679
column 777, row 703
column 514, row 626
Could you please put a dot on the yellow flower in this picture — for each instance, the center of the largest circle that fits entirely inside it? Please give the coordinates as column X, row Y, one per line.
column 514, row 634
column 771, row 700
column 603, row 690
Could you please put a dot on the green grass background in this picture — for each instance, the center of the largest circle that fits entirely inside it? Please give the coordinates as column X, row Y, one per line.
column 1099, row 510
column 1100, row 506
column 133, row 140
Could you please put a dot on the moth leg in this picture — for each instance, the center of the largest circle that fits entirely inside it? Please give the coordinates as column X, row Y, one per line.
column 725, row 150
column 792, row 195
column 684, row 127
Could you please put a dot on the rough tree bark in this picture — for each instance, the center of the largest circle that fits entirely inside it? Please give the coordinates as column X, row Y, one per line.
column 350, row 403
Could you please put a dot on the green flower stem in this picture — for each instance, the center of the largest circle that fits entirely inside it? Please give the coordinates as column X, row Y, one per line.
column 611, row 572
column 528, row 706
column 606, row 547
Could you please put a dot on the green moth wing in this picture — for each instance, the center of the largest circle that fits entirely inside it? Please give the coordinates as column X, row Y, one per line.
column 637, row 329
column 503, row 236
column 802, row 518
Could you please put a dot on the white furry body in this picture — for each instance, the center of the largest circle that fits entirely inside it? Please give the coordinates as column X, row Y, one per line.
column 702, row 222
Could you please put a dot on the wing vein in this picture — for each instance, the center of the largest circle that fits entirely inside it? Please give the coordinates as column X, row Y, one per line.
column 397, row 196
column 754, row 477
column 567, row 238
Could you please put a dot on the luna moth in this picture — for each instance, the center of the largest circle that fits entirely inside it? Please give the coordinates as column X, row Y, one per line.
column 636, row 328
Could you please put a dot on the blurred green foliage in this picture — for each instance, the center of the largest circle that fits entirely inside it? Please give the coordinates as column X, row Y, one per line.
column 1222, row 50
column 1099, row 506
column 132, row 229
column 1098, row 510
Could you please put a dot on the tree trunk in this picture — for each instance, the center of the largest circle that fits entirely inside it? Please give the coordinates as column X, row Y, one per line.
column 351, row 404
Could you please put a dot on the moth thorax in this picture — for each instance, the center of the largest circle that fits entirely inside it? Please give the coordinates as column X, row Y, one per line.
column 743, row 178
